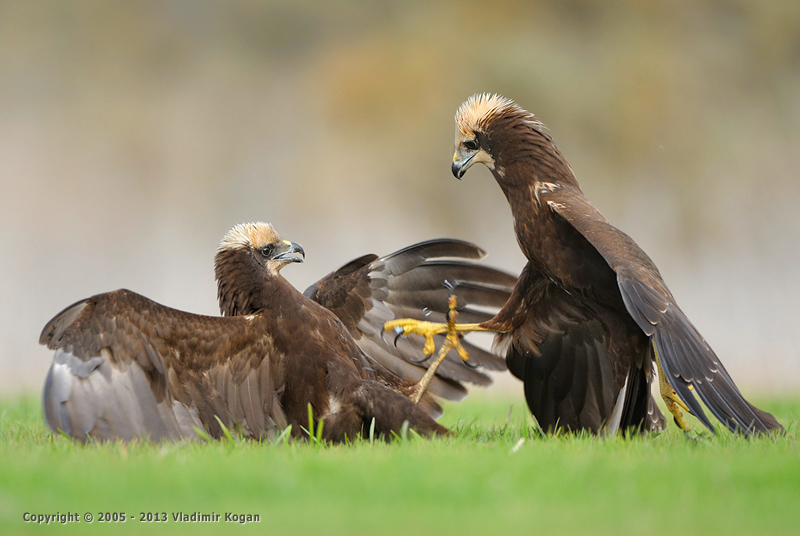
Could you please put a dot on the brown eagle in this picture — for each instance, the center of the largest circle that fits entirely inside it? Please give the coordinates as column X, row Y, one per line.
column 127, row 367
column 590, row 315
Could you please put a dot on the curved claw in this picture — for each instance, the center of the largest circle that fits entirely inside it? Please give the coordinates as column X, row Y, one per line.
column 418, row 361
column 470, row 363
column 398, row 333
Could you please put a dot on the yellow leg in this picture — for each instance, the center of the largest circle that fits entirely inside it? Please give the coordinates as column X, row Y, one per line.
column 409, row 326
column 423, row 383
column 671, row 398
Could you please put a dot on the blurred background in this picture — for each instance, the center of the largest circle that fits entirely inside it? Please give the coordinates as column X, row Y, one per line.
column 134, row 135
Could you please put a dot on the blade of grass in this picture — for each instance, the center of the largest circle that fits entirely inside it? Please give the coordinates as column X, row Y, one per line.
column 202, row 434
column 320, row 425
column 284, row 436
column 310, row 430
column 225, row 431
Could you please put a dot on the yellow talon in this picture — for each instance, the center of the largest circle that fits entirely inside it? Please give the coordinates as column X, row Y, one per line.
column 671, row 398
column 418, row 327
column 426, row 329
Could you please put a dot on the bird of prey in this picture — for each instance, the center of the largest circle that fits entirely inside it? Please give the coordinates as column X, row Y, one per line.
column 129, row 368
column 591, row 314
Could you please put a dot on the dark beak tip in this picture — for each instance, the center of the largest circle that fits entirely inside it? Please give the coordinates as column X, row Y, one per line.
column 457, row 171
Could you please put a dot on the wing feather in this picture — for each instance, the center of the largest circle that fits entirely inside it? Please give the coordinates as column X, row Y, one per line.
column 412, row 283
column 685, row 357
column 126, row 367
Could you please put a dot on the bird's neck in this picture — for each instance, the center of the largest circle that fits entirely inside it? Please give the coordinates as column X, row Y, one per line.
column 521, row 181
column 245, row 292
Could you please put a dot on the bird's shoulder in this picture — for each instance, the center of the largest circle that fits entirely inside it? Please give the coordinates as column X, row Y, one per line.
column 345, row 291
column 620, row 251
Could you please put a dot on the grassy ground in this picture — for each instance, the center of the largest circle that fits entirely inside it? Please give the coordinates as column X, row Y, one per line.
column 497, row 477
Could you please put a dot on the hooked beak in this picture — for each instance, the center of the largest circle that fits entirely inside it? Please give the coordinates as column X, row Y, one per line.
column 461, row 163
column 293, row 253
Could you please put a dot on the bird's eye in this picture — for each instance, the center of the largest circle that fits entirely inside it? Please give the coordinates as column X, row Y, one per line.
column 267, row 250
column 471, row 145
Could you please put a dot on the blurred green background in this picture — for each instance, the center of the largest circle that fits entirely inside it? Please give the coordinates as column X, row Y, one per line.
column 133, row 135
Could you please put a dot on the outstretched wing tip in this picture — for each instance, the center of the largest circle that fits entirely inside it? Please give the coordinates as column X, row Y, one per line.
column 685, row 354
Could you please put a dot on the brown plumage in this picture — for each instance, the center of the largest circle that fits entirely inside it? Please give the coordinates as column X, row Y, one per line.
column 126, row 367
column 590, row 306
column 415, row 282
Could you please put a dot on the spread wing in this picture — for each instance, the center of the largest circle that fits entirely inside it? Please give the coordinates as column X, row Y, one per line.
column 411, row 283
column 126, row 367
column 689, row 363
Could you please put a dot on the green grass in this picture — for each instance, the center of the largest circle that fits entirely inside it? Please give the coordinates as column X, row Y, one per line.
column 498, row 476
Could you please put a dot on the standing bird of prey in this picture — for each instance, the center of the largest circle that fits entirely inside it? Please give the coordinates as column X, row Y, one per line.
column 590, row 315
column 127, row 367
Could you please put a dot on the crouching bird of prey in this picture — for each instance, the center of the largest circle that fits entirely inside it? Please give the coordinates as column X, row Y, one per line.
column 590, row 315
column 129, row 368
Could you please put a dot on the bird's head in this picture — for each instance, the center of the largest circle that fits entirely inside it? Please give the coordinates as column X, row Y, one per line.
column 494, row 131
column 260, row 244
column 249, row 257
